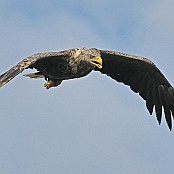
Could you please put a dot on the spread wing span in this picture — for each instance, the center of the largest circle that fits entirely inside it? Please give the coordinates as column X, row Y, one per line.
column 144, row 78
column 139, row 73
column 40, row 61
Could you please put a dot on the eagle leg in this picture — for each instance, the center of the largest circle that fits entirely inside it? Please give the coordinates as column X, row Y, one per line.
column 52, row 83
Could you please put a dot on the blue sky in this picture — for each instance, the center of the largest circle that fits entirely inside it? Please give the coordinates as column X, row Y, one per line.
column 92, row 124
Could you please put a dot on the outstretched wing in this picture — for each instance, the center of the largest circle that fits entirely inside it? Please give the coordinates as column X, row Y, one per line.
column 144, row 78
column 29, row 62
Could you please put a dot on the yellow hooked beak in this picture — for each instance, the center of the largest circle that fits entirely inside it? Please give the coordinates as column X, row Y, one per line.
column 97, row 61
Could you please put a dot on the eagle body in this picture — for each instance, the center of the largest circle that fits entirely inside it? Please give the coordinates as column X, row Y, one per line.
column 73, row 63
column 138, row 72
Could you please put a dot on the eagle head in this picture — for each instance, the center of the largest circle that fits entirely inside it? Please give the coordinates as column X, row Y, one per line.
column 92, row 56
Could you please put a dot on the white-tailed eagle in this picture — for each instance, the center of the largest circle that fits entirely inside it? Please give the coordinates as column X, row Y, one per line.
column 139, row 73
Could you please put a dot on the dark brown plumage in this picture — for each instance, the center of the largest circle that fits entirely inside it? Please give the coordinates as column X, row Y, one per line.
column 139, row 73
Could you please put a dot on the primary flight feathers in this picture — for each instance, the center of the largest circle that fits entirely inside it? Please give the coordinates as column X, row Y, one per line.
column 139, row 73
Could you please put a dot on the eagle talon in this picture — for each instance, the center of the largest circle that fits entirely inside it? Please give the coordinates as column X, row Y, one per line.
column 49, row 84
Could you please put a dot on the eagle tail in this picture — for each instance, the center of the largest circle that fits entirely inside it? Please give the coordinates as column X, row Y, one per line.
column 35, row 75
column 9, row 75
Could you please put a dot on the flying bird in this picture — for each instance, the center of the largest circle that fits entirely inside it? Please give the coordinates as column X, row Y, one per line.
column 139, row 73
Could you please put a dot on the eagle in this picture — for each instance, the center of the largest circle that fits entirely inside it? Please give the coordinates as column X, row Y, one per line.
column 141, row 74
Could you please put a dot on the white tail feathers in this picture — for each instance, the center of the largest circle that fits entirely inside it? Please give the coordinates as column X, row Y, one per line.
column 35, row 75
